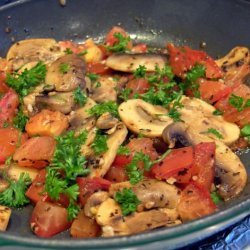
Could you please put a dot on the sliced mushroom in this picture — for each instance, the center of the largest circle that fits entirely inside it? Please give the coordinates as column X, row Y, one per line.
column 80, row 119
column 202, row 113
column 63, row 102
column 5, row 213
column 113, row 142
column 106, row 121
column 105, row 89
column 93, row 203
column 130, row 62
column 151, row 193
column 109, row 216
column 31, row 50
column 231, row 174
column 66, row 73
column 236, row 66
column 145, row 118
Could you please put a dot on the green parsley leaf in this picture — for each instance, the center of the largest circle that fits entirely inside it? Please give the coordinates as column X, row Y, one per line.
column 68, row 51
column 73, row 210
column 79, row 96
column 20, row 120
column 82, row 53
column 245, row 131
column 216, row 197
column 100, row 143
column 127, row 200
column 93, row 77
column 236, row 101
column 140, row 72
column 173, row 112
column 196, row 72
column 102, row 108
column 217, row 112
column 122, row 150
column 14, row 195
column 124, row 94
column 64, row 68
column 161, row 74
column 98, row 85
column 9, row 160
column 6, row 124
column 215, row 132
column 23, row 83
column 120, row 45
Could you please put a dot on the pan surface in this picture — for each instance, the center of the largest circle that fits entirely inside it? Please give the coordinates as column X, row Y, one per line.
column 221, row 24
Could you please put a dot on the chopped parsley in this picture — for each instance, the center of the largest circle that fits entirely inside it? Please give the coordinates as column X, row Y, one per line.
column 99, row 145
column 173, row 112
column 101, row 108
column 217, row 112
column 98, row 85
column 216, row 198
column 215, row 132
column 6, row 124
column 82, row 53
column 245, row 131
column 140, row 72
column 122, row 150
column 14, row 195
column 238, row 102
column 68, row 51
column 20, row 120
column 64, row 68
column 127, row 200
column 79, row 96
column 23, row 83
column 121, row 44
column 66, row 165
column 93, row 77
column 125, row 93
column 160, row 75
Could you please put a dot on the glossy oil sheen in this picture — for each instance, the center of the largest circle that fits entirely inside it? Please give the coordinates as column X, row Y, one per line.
column 221, row 24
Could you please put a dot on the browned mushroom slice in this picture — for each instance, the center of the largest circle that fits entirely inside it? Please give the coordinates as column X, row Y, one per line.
column 130, row 62
column 109, row 216
column 63, row 102
column 106, row 121
column 66, row 73
column 31, row 50
column 145, row 118
column 103, row 89
column 231, row 176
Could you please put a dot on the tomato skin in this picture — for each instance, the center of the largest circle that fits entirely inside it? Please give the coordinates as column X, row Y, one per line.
column 140, row 48
column 8, row 106
column 88, row 186
column 183, row 59
column 36, row 152
column 98, row 68
column 3, row 87
column 203, row 167
column 34, row 192
column 177, row 164
column 111, row 40
column 69, row 45
column 48, row 219
column 9, row 138
column 195, row 202
column 138, row 86
column 213, row 91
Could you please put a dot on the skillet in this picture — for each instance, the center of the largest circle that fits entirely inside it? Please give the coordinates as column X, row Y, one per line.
column 221, row 24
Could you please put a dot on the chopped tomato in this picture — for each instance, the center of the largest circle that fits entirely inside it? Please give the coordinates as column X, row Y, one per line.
column 138, row 86
column 35, row 191
column 84, row 227
column 183, row 59
column 48, row 219
column 69, row 45
column 140, row 48
column 98, row 68
column 112, row 40
column 195, row 202
column 116, row 174
column 203, row 168
column 3, row 87
column 8, row 106
column 231, row 114
column 213, row 91
column 88, row 186
column 36, row 152
column 10, row 139
column 176, row 165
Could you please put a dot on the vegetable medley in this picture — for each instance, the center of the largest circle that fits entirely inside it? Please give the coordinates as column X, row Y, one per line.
column 115, row 138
